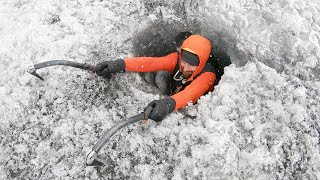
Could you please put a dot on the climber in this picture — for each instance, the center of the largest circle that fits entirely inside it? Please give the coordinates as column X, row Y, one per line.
column 188, row 75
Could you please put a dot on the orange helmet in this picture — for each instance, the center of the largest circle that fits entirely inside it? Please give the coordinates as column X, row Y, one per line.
column 199, row 46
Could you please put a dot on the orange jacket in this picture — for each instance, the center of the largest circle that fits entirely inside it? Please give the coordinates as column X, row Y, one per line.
column 201, row 81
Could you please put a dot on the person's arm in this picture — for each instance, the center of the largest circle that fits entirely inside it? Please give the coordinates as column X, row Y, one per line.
column 137, row 64
column 198, row 87
column 149, row 64
column 202, row 84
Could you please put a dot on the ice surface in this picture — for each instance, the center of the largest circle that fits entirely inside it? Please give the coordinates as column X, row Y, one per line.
column 262, row 121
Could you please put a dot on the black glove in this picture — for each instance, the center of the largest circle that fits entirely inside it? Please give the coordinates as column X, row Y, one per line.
column 107, row 68
column 161, row 108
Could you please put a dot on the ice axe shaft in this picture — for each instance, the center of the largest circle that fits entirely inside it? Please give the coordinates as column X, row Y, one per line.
column 32, row 69
column 92, row 155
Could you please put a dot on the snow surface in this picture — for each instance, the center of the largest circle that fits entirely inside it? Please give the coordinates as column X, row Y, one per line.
column 262, row 121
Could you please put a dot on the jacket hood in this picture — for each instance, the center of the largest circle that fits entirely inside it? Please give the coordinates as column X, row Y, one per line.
column 200, row 46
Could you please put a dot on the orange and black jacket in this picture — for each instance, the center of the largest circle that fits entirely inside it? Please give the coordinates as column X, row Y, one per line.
column 200, row 82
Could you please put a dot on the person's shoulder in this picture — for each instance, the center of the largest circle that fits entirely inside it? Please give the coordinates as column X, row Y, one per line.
column 174, row 57
column 208, row 68
column 175, row 53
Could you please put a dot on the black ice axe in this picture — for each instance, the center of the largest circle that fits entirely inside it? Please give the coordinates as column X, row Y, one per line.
column 32, row 69
column 92, row 159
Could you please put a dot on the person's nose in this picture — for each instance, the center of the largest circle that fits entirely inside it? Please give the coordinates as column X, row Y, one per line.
column 188, row 67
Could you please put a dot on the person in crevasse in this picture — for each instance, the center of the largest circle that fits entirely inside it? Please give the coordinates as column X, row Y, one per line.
column 190, row 76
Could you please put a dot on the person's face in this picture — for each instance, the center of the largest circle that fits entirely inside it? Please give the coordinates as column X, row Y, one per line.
column 187, row 69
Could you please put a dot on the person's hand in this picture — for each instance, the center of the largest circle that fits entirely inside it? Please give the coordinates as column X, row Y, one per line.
column 161, row 108
column 107, row 68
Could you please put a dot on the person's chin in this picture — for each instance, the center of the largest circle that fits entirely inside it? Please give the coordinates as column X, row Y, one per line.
column 186, row 75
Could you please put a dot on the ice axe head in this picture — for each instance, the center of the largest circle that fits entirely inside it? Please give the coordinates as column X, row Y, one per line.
column 93, row 160
column 32, row 71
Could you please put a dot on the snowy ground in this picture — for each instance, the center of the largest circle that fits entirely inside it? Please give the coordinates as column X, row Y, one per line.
column 261, row 122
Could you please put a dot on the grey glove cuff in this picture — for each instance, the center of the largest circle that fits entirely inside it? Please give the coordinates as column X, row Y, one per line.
column 171, row 104
column 119, row 65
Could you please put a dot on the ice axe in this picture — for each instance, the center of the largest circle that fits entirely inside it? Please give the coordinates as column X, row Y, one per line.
column 92, row 159
column 32, row 69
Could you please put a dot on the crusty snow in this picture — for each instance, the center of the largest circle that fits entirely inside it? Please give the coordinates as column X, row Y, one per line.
column 262, row 121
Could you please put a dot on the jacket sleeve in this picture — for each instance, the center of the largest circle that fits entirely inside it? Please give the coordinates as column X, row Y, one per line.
column 198, row 87
column 149, row 64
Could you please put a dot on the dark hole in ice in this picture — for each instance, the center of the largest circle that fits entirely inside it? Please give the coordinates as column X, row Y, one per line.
column 164, row 37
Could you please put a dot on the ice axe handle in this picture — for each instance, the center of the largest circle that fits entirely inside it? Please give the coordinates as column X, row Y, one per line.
column 147, row 113
column 32, row 69
column 91, row 156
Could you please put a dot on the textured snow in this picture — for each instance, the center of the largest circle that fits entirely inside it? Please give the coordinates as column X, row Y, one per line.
column 262, row 121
